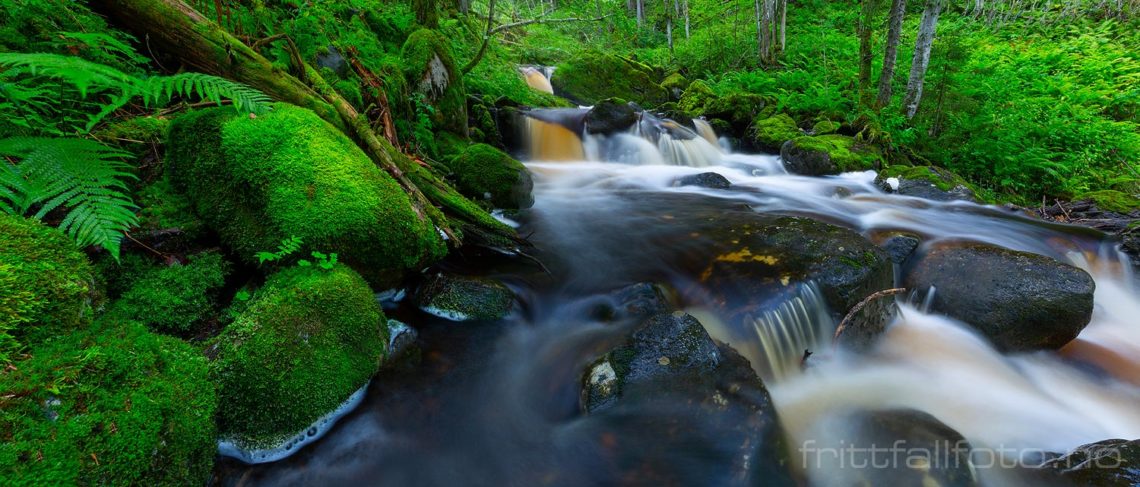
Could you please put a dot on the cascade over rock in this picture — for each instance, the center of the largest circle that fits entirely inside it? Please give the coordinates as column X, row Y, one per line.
column 1018, row 300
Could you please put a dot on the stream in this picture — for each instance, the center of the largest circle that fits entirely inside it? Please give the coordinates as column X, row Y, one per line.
column 499, row 403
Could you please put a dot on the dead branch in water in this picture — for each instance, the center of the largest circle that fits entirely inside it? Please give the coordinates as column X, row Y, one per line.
column 859, row 307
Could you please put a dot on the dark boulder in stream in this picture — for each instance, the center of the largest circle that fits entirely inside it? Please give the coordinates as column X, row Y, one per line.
column 610, row 116
column 460, row 298
column 1018, row 300
column 669, row 361
column 709, row 180
column 1107, row 463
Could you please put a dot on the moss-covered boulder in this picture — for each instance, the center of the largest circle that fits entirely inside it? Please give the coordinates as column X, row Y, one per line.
column 288, row 173
column 593, row 76
column 485, row 173
column 770, row 133
column 431, row 72
column 1114, row 201
column 828, row 154
column 177, row 299
column 736, row 107
column 46, row 284
column 306, row 341
column 166, row 210
column 696, row 96
column 462, row 298
column 110, row 405
column 927, row 182
column 676, row 84
column 824, row 127
column 610, row 116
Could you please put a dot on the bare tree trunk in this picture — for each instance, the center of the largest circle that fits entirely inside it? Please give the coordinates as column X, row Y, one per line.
column 864, row 30
column 765, row 16
column 921, row 59
column 640, row 13
column 686, row 19
column 891, row 53
column 782, row 15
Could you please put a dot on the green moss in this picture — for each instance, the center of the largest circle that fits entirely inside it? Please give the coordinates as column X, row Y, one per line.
column 109, row 405
column 580, row 79
column 737, row 107
column 47, row 288
column 771, row 133
column 288, row 173
column 439, row 81
column 484, row 172
column 825, row 127
column 165, row 208
column 466, row 298
column 844, row 152
column 675, row 83
column 1113, row 200
column 176, row 299
column 941, row 178
column 696, row 96
column 305, row 342
column 136, row 134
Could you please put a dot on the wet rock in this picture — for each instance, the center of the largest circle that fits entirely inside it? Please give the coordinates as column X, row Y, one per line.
column 640, row 300
column 670, row 371
column 1105, row 463
column 900, row 246
column 927, row 182
column 333, row 60
column 705, row 180
column 580, row 80
column 1019, row 301
column 610, row 116
column 888, row 447
column 461, row 298
column 483, row 172
column 828, row 154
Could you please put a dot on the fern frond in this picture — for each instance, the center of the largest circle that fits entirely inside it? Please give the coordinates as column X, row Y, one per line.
column 81, row 73
column 83, row 176
column 159, row 89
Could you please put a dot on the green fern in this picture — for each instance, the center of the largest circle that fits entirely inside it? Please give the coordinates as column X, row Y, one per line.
column 83, row 176
column 120, row 88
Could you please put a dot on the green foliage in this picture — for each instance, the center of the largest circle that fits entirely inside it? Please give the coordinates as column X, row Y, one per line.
column 288, row 247
column 118, row 88
column 175, row 299
column 83, row 176
column 579, row 78
column 431, row 71
column 306, row 341
column 289, row 173
column 112, row 405
column 47, row 288
column 483, row 172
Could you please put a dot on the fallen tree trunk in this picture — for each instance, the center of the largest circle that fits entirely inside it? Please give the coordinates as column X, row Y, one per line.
column 199, row 43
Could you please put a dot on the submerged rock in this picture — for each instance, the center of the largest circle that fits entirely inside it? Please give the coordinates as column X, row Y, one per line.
column 485, row 173
column 610, row 116
column 1108, row 463
column 307, row 341
column 710, row 180
column 1018, row 300
column 900, row 246
column 288, row 173
column 888, row 447
column 669, row 359
column 828, row 154
column 634, row 301
column 461, row 298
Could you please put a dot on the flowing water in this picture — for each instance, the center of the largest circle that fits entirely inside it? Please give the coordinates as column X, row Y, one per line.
column 497, row 403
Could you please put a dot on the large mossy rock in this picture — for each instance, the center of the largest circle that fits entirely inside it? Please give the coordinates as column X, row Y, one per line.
column 927, row 182
column 483, row 172
column 46, row 284
column 770, row 133
column 828, row 154
column 929, row 452
column 290, row 174
column 735, row 107
column 306, row 341
column 1018, row 300
column 610, row 116
column 669, row 371
column 177, row 299
column 431, row 71
column 593, row 76
column 110, row 405
column 1109, row 463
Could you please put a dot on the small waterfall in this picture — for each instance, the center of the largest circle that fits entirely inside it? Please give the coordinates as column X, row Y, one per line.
column 705, row 130
column 552, row 142
column 536, row 79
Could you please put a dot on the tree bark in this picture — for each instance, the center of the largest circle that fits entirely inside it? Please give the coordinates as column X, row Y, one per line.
column 921, row 59
column 864, row 30
column 426, row 13
column 891, row 53
column 640, row 13
column 782, row 25
column 174, row 27
column 686, row 19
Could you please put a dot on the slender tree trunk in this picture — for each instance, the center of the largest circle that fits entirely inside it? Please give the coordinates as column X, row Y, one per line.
column 640, row 13
column 686, row 19
column 921, row 60
column 864, row 31
column 781, row 25
column 891, row 53
column 668, row 24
